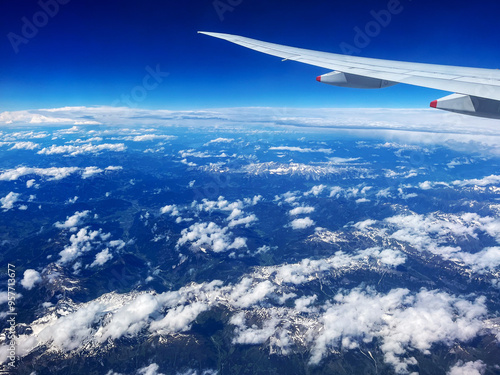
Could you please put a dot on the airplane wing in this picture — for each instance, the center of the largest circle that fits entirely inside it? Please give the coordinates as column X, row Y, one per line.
column 476, row 90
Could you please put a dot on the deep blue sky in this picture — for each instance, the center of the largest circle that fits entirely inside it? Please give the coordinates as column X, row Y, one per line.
column 93, row 52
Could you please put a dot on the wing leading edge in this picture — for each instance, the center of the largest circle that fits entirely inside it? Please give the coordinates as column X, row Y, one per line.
column 477, row 90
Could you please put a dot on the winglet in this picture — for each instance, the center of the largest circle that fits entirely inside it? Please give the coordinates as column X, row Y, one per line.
column 434, row 104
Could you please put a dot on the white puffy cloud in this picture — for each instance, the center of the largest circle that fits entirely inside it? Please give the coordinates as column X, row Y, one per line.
column 481, row 182
column 30, row 278
column 82, row 242
column 189, row 164
column 171, row 209
column 4, row 297
column 252, row 335
column 26, row 134
column 73, row 220
column 246, row 221
column 426, row 185
column 311, row 269
column 345, row 326
column 236, row 212
column 86, row 240
column 25, row 146
column 221, row 204
column 300, row 273
column 359, row 193
column 389, row 173
column 468, row 368
column 263, row 249
column 71, row 200
column 151, row 137
column 404, row 195
column 247, row 293
column 316, row 190
column 387, row 257
column 101, row 258
column 9, row 200
column 238, row 243
column 152, row 369
column 52, row 173
column 363, row 225
column 459, row 161
column 67, row 332
column 437, row 233
column 29, row 117
column 489, row 180
column 337, row 160
column 401, row 321
column 335, row 191
column 486, row 259
column 302, row 223
column 289, row 197
column 72, row 130
column 302, row 303
column 82, row 149
column 130, row 319
column 113, row 316
column 209, row 235
column 179, row 318
column 300, row 149
column 362, row 200
column 113, row 168
column 91, row 171
column 234, row 209
column 91, row 139
column 384, row 193
column 220, row 140
column 301, row 210
column 117, row 244
column 253, row 201
column 195, row 154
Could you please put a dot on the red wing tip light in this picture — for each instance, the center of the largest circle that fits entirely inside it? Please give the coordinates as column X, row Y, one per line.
column 434, row 104
column 318, row 78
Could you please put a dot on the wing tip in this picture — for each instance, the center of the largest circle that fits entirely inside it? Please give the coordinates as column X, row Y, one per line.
column 216, row 35
column 434, row 104
column 207, row 33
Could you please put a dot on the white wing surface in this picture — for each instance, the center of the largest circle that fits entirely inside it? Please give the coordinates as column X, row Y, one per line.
column 477, row 91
